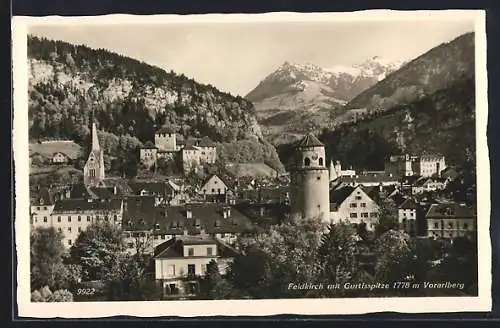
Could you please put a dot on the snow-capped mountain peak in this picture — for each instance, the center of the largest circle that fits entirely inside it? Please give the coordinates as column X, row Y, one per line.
column 306, row 71
column 376, row 67
column 308, row 87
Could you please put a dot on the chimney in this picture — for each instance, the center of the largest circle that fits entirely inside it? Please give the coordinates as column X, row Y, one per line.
column 261, row 212
column 189, row 212
column 115, row 190
column 226, row 211
column 185, row 232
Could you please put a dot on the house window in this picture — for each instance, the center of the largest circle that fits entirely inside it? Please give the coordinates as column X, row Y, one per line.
column 364, row 215
column 79, row 218
column 45, row 207
column 436, row 225
column 106, row 218
column 38, row 208
column 79, row 229
column 466, row 225
column 450, row 225
column 88, row 218
column 69, row 229
column 69, row 218
column 223, row 235
column 353, row 205
column 191, row 269
column 353, row 215
column 213, row 190
column 115, row 218
column 373, row 214
column 358, row 197
column 163, row 236
column 363, row 205
column 58, row 219
column 59, row 229
column 307, row 161
column 69, row 242
column 209, row 251
column 320, row 161
column 171, row 270
column 318, row 178
column 190, row 251
column 45, row 219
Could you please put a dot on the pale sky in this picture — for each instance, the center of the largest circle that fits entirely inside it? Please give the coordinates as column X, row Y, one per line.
column 236, row 57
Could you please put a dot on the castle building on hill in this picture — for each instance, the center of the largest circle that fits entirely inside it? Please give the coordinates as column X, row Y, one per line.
column 426, row 165
column 309, row 189
column 93, row 171
column 171, row 146
column 198, row 152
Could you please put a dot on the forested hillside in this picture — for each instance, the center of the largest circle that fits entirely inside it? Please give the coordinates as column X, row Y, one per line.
column 130, row 99
column 443, row 122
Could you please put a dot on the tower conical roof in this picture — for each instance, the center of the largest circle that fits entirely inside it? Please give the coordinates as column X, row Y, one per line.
column 309, row 140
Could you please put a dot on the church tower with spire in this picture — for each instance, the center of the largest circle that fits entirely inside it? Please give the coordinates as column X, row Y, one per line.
column 310, row 188
column 93, row 172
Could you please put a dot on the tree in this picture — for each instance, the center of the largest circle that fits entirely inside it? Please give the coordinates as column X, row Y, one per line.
column 394, row 259
column 387, row 217
column 95, row 248
column 143, row 244
column 337, row 254
column 248, row 271
column 287, row 253
column 213, row 285
column 123, row 277
column 46, row 257
column 45, row 295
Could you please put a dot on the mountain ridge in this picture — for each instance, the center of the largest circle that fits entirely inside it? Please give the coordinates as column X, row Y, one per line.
column 69, row 72
column 340, row 85
column 70, row 85
column 434, row 70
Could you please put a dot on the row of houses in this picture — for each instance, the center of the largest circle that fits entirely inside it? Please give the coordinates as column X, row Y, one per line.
column 431, row 218
column 183, row 239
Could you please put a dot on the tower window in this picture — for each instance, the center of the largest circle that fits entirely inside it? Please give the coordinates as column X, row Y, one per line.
column 320, row 161
column 307, row 161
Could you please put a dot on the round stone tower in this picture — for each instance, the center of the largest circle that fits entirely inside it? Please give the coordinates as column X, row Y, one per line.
column 310, row 192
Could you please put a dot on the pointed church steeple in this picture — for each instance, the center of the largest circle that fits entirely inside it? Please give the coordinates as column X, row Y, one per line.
column 95, row 139
column 93, row 171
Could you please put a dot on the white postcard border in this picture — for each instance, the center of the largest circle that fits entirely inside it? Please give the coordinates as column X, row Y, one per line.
column 247, row 307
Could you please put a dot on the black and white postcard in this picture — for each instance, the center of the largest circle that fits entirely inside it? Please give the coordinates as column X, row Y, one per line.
column 251, row 164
